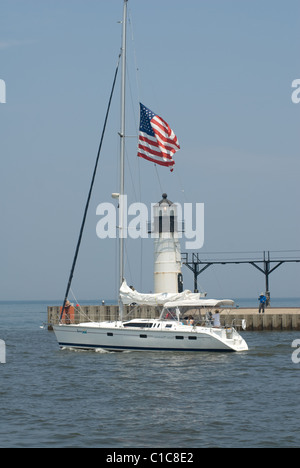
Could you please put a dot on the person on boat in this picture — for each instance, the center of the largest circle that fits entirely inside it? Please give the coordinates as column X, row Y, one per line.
column 262, row 303
column 209, row 318
column 190, row 320
column 217, row 321
column 68, row 306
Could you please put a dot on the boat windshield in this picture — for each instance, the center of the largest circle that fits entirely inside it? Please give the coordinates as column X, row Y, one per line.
column 171, row 314
column 188, row 315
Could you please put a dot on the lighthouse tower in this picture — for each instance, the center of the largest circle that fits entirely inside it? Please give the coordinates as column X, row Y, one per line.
column 167, row 253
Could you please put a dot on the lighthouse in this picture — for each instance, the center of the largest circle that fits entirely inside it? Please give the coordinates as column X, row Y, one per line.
column 167, row 253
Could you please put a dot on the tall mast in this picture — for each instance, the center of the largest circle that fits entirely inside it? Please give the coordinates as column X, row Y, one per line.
column 122, row 151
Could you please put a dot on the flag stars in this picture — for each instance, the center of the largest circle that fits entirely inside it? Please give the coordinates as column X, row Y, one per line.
column 146, row 117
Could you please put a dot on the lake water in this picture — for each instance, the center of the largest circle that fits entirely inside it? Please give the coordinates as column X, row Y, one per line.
column 52, row 398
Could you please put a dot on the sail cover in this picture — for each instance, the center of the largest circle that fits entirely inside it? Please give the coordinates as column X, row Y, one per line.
column 129, row 296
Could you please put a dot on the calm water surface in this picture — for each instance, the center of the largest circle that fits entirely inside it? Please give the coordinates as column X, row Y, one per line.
column 52, row 398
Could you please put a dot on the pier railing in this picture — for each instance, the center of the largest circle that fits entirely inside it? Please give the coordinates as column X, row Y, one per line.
column 266, row 262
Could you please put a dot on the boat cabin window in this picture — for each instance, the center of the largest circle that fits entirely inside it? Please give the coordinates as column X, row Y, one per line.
column 138, row 325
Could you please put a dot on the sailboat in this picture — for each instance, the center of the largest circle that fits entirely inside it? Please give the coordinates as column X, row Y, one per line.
column 186, row 322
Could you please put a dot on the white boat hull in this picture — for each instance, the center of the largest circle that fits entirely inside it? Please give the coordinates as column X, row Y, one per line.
column 114, row 337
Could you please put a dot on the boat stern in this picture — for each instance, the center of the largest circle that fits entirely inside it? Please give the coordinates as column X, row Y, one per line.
column 231, row 338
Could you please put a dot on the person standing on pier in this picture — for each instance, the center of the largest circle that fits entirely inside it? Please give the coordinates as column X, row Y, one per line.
column 262, row 303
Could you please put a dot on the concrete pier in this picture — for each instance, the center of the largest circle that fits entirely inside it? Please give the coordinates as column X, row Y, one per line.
column 103, row 313
column 276, row 319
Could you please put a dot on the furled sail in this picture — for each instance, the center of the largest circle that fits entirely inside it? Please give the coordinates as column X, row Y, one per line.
column 129, row 296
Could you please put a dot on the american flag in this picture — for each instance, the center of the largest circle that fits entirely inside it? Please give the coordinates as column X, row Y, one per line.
column 157, row 142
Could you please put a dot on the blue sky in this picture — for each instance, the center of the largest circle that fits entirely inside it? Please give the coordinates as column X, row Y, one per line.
column 219, row 71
